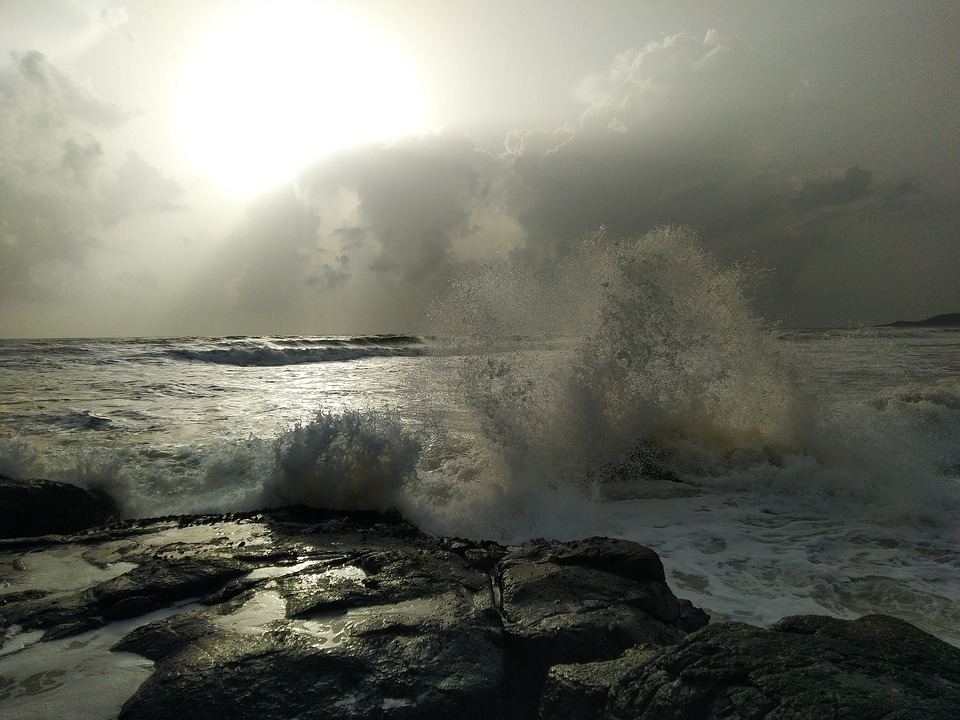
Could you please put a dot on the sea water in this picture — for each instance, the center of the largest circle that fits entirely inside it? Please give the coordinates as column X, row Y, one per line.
column 624, row 388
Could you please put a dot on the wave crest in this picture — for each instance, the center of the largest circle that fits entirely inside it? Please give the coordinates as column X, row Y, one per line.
column 348, row 460
column 246, row 354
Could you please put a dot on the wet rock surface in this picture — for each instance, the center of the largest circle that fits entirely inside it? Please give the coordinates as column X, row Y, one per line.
column 584, row 601
column 325, row 614
column 803, row 667
column 307, row 613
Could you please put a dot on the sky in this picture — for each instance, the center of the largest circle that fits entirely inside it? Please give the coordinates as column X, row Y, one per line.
column 169, row 167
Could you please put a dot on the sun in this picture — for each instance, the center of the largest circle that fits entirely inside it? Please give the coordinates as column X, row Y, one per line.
column 283, row 82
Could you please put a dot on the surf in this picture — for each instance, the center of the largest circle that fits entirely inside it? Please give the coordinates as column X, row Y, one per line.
column 261, row 352
column 632, row 367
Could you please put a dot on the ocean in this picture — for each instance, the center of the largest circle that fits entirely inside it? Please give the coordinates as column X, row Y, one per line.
column 776, row 471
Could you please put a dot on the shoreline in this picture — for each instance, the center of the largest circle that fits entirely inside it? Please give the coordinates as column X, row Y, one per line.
column 365, row 615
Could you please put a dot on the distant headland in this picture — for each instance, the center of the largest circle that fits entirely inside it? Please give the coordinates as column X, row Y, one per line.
column 946, row 320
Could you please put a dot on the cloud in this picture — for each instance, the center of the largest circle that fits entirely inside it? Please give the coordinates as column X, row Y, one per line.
column 59, row 28
column 853, row 185
column 363, row 241
column 139, row 188
column 415, row 199
column 47, row 158
column 668, row 132
column 829, row 161
column 55, row 94
column 698, row 131
column 81, row 156
column 753, row 144
column 684, row 79
column 279, row 241
column 47, row 121
column 56, row 190
column 706, row 132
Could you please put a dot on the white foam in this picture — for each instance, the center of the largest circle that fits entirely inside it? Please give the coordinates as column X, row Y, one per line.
column 55, row 569
column 76, row 677
column 253, row 534
column 275, row 571
column 15, row 639
column 753, row 559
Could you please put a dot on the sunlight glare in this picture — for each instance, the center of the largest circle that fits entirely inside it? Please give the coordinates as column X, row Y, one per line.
column 284, row 82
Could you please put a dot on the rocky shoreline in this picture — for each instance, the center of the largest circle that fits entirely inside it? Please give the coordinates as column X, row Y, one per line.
column 305, row 613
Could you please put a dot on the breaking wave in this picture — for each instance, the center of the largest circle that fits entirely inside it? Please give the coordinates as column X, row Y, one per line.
column 653, row 377
column 244, row 352
column 624, row 368
column 623, row 388
column 348, row 460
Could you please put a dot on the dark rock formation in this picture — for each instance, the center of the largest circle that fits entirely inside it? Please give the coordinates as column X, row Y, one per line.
column 584, row 601
column 802, row 667
column 307, row 613
column 42, row 507
column 944, row 320
column 320, row 614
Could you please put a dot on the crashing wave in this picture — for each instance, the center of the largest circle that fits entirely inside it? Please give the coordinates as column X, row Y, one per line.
column 271, row 355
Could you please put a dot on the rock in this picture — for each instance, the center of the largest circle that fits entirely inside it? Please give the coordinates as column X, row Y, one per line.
column 585, row 601
column 393, row 660
column 581, row 691
column 802, row 667
column 40, row 507
column 370, row 618
column 558, row 596
column 308, row 613
column 945, row 320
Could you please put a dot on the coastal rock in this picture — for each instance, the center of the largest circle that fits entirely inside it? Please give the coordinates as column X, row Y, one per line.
column 42, row 507
column 306, row 613
column 946, row 320
column 354, row 616
column 584, row 601
column 434, row 657
column 802, row 667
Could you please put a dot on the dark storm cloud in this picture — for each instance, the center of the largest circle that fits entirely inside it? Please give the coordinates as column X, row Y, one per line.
column 672, row 133
column 414, row 199
column 853, row 185
column 706, row 133
column 332, row 274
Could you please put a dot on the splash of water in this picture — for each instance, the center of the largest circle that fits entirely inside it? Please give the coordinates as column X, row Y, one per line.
column 638, row 343
column 347, row 460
